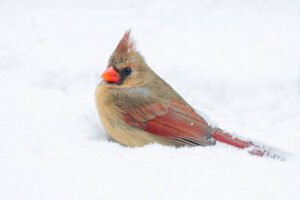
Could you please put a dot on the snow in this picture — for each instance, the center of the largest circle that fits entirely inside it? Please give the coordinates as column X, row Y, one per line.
column 236, row 61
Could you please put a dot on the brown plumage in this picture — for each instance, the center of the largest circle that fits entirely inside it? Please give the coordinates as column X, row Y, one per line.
column 137, row 107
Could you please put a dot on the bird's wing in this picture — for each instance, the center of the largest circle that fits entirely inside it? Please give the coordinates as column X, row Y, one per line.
column 174, row 120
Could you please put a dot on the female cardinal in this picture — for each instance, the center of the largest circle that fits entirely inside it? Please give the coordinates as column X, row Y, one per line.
column 137, row 107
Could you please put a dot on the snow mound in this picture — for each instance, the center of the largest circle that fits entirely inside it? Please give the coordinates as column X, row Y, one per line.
column 236, row 61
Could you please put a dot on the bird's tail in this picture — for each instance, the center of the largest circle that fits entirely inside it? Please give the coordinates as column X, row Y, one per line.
column 251, row 147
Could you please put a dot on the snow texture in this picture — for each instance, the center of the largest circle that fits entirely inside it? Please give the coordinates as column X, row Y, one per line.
column 237, row 61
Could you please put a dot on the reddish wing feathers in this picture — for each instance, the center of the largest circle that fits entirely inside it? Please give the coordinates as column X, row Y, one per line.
column 178, row 122
column 139, row 116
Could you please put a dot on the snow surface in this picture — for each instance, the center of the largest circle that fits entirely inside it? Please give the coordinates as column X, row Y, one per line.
column 236, row 61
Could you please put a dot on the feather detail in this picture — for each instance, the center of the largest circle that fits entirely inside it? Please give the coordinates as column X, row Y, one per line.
column 126, row 44
column 177, row 121
column 250, row 146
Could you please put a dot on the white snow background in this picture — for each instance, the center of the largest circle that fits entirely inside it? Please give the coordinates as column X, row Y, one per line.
column 237, row 61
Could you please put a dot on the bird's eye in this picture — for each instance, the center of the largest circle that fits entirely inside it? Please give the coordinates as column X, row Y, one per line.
column 127, row 70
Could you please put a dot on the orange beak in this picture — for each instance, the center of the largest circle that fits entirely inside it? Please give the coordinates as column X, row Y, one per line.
column 110, row 75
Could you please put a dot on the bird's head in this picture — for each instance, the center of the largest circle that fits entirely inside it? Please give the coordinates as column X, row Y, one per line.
column 126, row 67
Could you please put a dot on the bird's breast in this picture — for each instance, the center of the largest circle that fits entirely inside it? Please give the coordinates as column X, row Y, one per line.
column 115, row 125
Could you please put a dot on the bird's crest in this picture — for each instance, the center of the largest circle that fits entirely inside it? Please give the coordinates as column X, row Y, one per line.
column 126, row 44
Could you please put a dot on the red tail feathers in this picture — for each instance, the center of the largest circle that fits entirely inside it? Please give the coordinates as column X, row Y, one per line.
column 254, row 149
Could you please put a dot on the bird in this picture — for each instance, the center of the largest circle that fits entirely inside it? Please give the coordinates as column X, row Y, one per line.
column 137, row 107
